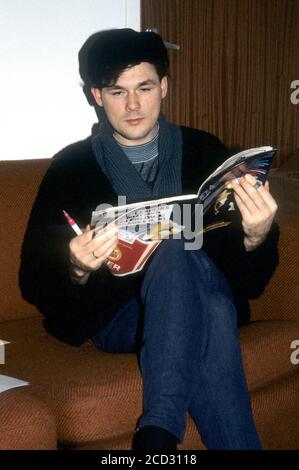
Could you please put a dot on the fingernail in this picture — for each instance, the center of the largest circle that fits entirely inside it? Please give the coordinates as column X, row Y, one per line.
column 258, row 184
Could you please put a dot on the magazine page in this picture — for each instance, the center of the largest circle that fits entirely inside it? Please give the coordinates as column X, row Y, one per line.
column 141, row 230
column 7, row 382
column 217, row 194
column 256, row 162
column 136, row 205
column 240, row 157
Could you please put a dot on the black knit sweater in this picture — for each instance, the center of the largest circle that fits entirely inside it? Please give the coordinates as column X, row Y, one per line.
column 75, row 183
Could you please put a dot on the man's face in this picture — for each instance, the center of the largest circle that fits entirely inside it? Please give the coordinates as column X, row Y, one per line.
column 132, row 104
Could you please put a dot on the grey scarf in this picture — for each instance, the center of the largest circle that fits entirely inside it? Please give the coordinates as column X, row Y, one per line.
column 121, row 173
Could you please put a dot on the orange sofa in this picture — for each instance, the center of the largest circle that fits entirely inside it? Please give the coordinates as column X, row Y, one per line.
column 96, row 398
column 26, row 422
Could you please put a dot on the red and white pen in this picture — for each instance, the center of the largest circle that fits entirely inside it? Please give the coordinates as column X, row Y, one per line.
column 72, row 223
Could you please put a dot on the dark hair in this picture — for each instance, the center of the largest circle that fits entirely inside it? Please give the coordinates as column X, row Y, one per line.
column 106, row 54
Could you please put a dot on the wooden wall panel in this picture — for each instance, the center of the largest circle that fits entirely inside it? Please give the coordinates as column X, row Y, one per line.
column 233, row 73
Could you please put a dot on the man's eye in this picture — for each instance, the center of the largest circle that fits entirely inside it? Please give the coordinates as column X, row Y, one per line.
column 117, row 93
column 145, row 89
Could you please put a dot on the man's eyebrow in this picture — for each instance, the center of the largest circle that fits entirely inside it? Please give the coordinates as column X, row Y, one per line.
column 144, row 83
column 147, row 82
column 115, row 87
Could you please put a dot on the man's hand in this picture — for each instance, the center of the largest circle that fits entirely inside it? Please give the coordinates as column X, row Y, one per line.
column 87, row 253
column 257, row 208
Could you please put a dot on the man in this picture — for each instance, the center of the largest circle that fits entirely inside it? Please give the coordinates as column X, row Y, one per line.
column 180, row 313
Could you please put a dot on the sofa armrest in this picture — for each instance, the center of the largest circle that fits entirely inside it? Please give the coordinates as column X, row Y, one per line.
column 280, row 300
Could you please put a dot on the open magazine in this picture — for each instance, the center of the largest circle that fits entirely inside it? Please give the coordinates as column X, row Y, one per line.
column 144, row 225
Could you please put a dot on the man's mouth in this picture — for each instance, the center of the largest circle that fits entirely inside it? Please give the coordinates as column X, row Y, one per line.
column 134, row 121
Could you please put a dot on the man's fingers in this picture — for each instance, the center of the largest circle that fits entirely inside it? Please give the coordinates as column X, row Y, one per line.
column 99, row 254
column 87, row 252
column 87, row 228
column 254, row 198
column 91, row 260
column 98, row 250
column 242, row 207
column 250, row 195
column 104, row 234
column 107, row 233
column 267, row 197
column 85, row 237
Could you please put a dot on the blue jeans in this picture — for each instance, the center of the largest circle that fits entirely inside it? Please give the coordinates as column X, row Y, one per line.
column 188, row 347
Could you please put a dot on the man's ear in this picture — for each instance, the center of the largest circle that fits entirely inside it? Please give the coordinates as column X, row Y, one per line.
column 164, row 86
column 96, row 93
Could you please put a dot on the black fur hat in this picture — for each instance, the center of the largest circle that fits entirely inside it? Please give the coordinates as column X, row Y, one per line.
column 106, row 54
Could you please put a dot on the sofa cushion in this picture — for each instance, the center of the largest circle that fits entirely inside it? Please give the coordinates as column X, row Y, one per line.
column 91, row 393
column 192, row 441
column 273, row 409
column 19, row 182
column 280, row 298
column 26, row 422
column 266, row 351
column 97, row 395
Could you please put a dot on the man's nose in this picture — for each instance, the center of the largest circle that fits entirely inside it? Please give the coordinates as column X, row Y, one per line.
column 133, row 102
